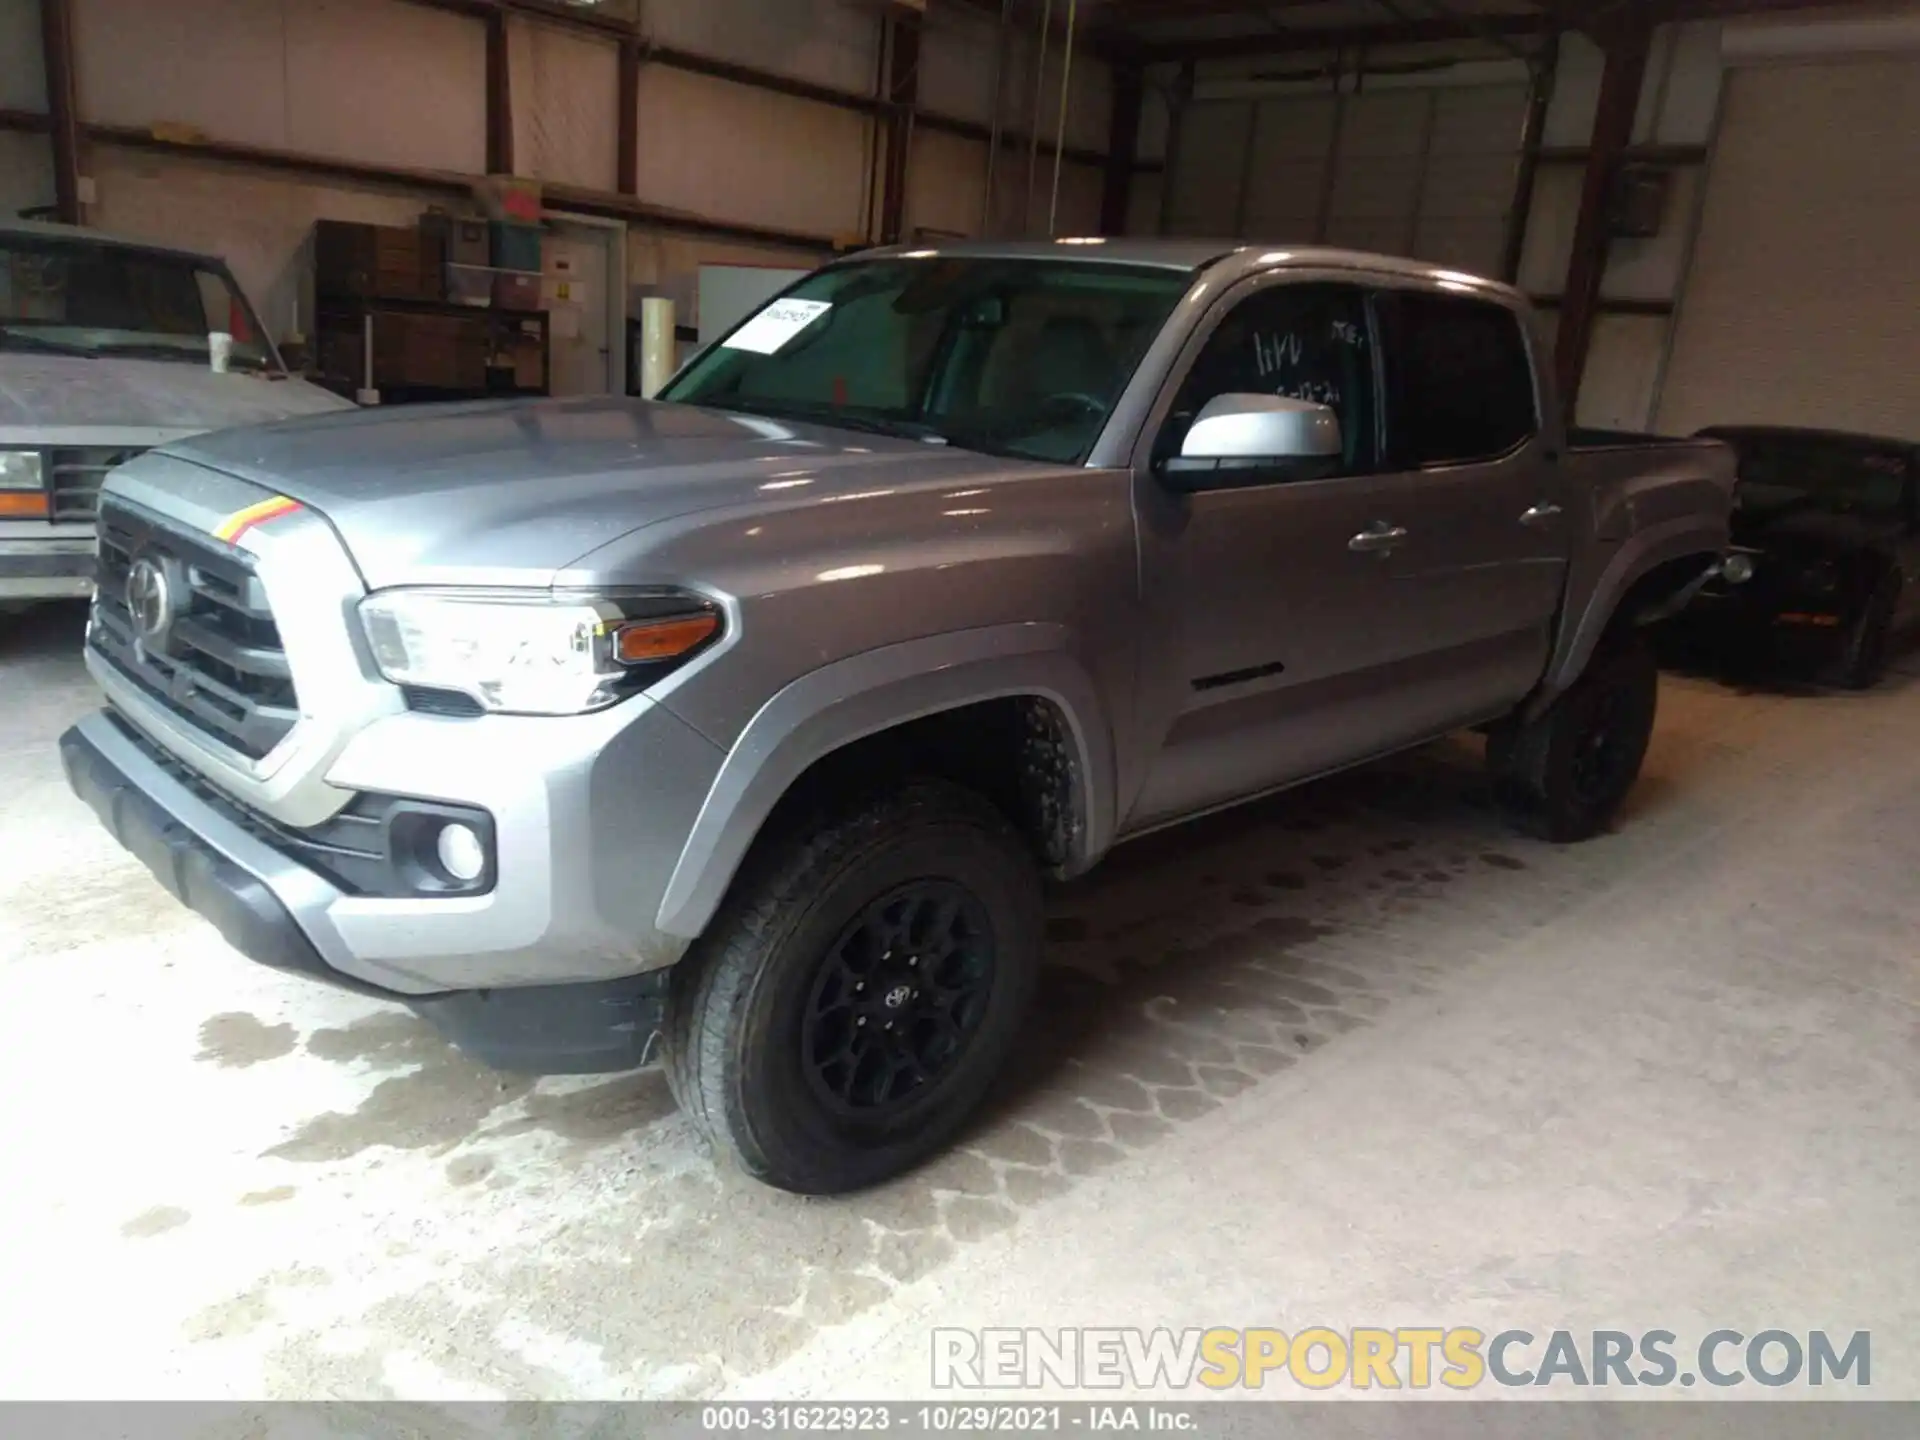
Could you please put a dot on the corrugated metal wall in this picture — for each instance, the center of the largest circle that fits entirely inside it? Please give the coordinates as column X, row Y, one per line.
column 1406, row 168
column 1803, row 307
column 400, row 86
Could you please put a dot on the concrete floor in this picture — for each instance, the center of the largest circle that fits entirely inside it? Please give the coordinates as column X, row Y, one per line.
column 1352, row 1057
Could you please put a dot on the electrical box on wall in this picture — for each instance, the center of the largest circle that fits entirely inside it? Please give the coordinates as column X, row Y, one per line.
column 1639, row 201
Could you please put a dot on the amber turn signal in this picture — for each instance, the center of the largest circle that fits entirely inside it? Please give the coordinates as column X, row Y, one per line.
column 23, row 504
column 641, row 642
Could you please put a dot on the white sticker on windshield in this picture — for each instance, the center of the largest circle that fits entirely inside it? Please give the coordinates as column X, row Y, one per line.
column 776, row 325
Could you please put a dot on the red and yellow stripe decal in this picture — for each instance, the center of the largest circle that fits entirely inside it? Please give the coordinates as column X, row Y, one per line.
column 241, row 521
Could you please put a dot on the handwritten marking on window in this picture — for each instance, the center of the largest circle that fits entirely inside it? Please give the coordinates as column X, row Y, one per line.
column 1319, row 392
column 1272, row 353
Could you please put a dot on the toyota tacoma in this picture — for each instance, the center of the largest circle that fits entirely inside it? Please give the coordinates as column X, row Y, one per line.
column 748, row 722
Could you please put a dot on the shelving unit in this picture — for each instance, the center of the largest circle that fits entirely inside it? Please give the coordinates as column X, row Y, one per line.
column 424, row 346
column 415, row 361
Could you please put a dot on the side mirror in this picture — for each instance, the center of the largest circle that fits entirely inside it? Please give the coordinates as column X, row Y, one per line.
column 1237, row 438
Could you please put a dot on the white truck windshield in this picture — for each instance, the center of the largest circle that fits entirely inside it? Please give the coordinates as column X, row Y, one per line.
column 77, row 297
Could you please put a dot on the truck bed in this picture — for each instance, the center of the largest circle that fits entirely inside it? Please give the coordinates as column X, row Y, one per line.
column 1579, row 438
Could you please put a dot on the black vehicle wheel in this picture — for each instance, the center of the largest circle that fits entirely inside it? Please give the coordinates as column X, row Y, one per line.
column 858, row 993
column 1562, row 776
column 1864, row 661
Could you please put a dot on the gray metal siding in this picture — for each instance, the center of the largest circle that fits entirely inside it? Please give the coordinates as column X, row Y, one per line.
column 1802, row 305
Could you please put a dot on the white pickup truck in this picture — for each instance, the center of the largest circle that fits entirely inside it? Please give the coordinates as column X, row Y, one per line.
column 106, row 351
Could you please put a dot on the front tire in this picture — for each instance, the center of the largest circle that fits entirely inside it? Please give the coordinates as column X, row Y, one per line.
column 1563, row 775
column 848, row 1009
column 1864, row 661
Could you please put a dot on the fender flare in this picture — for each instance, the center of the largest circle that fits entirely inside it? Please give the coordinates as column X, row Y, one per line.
column 863, row 695
column 1639, row 555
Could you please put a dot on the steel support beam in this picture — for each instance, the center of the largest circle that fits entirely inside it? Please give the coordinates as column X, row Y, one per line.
column 63, row 111
column 1303, row 38
column 903, row 93
column 627, row 150
column 1626, row 47
column 1123, row 146
column 499, row 96
column 1532, row 132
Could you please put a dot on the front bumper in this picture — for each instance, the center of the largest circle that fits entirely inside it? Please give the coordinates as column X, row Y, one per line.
column 50, row 569
column 574, row 1012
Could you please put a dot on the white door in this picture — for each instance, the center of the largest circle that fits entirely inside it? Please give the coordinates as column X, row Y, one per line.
column 578, row 261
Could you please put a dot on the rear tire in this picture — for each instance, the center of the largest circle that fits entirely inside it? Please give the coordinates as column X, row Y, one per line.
column 860, row 990
column 1864, row 661
column 1562, row 776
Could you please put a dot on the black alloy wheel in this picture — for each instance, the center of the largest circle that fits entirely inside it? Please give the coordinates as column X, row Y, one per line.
column 1602, row 748
column 900, row 995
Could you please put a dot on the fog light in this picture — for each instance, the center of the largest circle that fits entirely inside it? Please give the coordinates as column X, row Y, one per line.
column 461, row 854
column 1737, row 569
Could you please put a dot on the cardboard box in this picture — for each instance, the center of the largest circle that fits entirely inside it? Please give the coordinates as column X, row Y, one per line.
column 513, row 291
column 376, row 262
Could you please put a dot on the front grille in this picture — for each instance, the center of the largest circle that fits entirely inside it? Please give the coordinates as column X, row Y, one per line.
column 74, row 478
column 350, row 849
column 217, row 663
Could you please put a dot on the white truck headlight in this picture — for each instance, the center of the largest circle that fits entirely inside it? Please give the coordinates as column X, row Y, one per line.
column 20, row 470
column 533, row 652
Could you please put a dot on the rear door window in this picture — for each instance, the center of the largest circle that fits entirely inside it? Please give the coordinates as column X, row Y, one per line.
column 1459, row 379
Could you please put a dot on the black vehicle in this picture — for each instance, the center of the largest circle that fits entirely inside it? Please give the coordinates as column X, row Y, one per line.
column 1826, row 537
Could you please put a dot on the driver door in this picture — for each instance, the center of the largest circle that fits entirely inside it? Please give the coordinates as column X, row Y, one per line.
column 1280, row 642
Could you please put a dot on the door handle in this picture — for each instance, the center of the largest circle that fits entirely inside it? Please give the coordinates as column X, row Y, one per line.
column 1381, row 536
column 1540, row 514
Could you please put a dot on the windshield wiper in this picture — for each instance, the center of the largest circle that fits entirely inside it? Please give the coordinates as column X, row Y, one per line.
column 833, row 415
column 156, row 350
column 11, row 339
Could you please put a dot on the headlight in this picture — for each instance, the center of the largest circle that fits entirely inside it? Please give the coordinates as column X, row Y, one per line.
column 1737, row 569
column 533, row 652
column 19, row 469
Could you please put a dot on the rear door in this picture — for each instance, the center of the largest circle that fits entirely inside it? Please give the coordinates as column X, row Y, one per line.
column 1485, row 560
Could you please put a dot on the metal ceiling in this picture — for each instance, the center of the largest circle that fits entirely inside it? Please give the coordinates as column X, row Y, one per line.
column 1162, row 30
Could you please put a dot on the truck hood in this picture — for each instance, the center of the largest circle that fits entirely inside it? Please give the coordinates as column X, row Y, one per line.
column 61, row 399
column 508, row 493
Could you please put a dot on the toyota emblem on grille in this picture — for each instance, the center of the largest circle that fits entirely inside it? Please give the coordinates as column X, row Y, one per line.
column 149, row 600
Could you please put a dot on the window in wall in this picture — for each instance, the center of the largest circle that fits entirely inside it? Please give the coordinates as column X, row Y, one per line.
column 1308, row 342
column 1459, row 381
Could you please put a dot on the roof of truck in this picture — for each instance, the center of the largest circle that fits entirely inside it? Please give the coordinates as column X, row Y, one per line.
column 47, row 230
column 1238, row 256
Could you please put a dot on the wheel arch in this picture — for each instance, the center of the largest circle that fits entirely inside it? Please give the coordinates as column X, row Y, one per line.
column 1651, row 575
column 824, row 713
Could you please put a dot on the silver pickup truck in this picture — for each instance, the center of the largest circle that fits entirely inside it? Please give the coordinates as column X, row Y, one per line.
column 752, row 720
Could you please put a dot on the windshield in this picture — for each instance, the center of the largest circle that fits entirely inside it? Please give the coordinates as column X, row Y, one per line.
column 1778, row 473
column 1012, row 357
column 69, row 296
